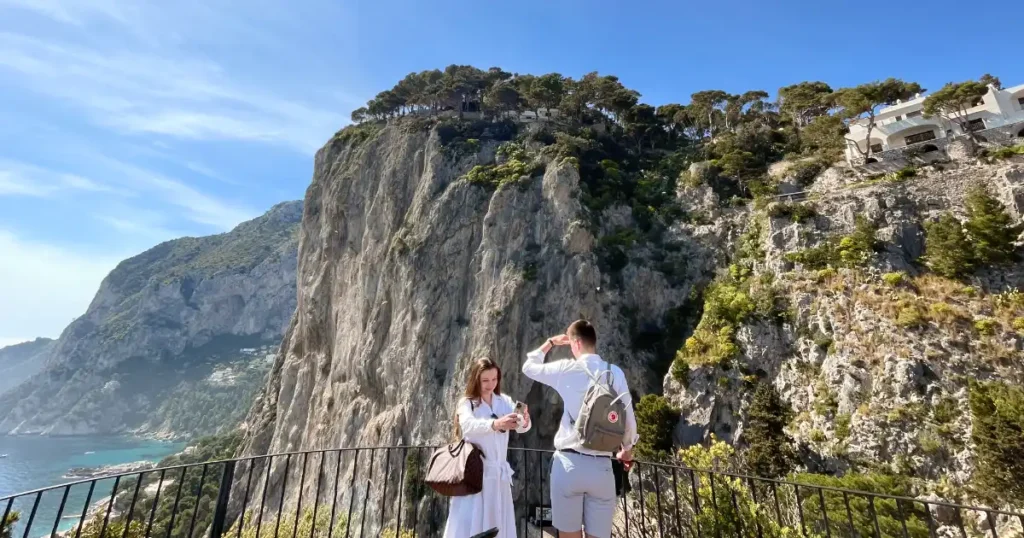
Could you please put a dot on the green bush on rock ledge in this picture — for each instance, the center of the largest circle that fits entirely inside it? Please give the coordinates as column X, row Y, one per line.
column 728, row 303
column 517, row 166
column 854, row 250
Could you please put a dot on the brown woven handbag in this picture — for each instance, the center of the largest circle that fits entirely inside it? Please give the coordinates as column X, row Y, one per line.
column 456, row 470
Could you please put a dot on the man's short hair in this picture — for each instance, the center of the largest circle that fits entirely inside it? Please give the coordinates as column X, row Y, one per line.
column 583, row 331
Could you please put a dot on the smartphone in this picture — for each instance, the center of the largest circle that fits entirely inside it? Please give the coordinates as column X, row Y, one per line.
column 520, row 407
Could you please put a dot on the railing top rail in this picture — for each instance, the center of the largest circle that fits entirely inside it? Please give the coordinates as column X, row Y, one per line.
column 4, row 500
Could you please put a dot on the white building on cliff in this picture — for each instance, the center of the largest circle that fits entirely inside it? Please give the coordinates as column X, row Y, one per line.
column 999, row 115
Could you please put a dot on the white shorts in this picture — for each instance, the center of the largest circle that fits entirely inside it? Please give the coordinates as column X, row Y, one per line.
column 582, row 494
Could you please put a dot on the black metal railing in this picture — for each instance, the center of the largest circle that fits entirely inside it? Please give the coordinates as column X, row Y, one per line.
column 378, row 491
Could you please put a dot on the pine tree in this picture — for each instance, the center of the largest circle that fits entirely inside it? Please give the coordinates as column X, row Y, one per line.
column 997, row 411
column 769, row 451
column 946, row 249
column 655, row 421
column 989, row 229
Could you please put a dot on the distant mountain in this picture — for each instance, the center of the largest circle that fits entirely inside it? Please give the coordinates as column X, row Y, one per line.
column 21, row 361
column 173, row 321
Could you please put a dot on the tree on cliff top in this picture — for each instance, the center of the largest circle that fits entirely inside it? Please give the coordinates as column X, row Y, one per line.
column 805, row 101
column 953, row 100
column 863, row 101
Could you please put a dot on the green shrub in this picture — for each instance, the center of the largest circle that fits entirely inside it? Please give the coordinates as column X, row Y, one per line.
column 862, row 509
column 656, row 419
column 769, row 451
column 1006, row 153
column 1018, row 324
column 530, row 272
column 7, row 525
column 817, row 436
column 729, row 506
column 356, row 134
column 823, row 341
column 284, row 525
column 894, row 279
column 946, row 411
column 826, row 402
column 904, row 173
column 852, row 250
column 986, row 326
column 681, row 369
column 910, row 316
column 518, row 165
column 115, row 528
column 805, row 172
column 990, row 229
column 727, row 304
column 929, row 442
column 997, row 411
column 797, row 212
column 843, row 426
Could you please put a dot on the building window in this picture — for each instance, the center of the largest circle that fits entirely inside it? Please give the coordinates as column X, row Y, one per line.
column 920, row 137
column 914, row 114
column 979, row 102
column 876, row 148
column 976, row 125
column 1020, row 101
column 898, row 118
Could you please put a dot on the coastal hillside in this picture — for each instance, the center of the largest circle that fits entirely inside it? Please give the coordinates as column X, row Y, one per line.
column 21, row 361
column 174, row 343
column 859, row 327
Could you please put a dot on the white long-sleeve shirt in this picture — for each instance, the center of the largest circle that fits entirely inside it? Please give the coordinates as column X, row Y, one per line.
column 570, row 379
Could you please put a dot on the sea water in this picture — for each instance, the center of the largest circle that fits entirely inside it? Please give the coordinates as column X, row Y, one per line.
column 38, row 462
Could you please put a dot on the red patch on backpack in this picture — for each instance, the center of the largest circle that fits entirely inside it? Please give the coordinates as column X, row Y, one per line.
column 613, row 417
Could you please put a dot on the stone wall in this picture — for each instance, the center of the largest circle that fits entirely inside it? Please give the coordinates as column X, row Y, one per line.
column 1003, row 136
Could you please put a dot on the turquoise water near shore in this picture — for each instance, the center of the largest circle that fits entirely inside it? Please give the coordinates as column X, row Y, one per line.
column 38, row 462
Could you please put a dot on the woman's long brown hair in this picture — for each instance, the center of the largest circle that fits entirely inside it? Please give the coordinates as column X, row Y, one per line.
column 473, row 386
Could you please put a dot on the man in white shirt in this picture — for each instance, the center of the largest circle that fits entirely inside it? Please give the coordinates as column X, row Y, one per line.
column 582, row 481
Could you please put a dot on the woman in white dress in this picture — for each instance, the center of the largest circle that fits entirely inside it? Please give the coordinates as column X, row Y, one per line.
column 484, row 417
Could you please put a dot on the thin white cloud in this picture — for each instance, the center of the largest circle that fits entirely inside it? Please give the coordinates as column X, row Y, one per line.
column 149, row 92
column 12, row 184
column 198, row 206
column 23, row 179
column 138, row 224
column 73, row 11
column 45, row 286
column 84, row 184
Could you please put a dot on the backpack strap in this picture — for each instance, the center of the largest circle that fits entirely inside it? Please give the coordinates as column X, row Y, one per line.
column 594, row 379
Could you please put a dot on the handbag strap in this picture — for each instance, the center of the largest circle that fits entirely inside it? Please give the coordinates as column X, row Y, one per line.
column 456, row 448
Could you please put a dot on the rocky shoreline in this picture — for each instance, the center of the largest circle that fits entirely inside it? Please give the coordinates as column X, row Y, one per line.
column 97, row 472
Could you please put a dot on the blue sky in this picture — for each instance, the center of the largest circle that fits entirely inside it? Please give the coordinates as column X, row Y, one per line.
column 123, row 123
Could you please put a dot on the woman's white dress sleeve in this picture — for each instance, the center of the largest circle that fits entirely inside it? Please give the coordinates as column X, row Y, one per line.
column 470, row 425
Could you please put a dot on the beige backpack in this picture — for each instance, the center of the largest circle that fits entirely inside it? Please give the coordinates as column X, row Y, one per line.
column 601, row 421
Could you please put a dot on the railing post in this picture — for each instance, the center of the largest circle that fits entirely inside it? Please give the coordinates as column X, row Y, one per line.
column 220, row 513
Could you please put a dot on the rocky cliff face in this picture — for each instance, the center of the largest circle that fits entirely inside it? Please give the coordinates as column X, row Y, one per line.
column 165, row 317
column 21, row 361
column 408, row 272
column 408, row 269
column 874, row 360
